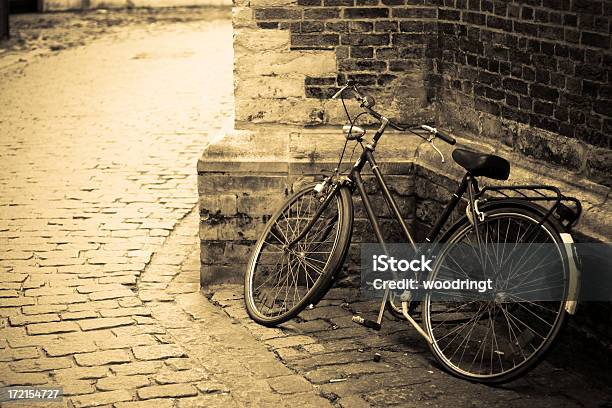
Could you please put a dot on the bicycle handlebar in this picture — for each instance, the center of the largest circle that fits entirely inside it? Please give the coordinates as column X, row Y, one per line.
column 366, row 102
column 446, row 137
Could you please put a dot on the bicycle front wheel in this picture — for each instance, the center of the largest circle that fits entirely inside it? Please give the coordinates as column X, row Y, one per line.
column 496, row 338
column 280, row 280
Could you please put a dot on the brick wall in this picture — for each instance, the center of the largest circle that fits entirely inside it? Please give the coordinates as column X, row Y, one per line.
column 533, row 75
column 385, row 46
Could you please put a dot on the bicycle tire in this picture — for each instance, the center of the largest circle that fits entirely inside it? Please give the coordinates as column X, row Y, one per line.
column 531, row 361
column 343, row 205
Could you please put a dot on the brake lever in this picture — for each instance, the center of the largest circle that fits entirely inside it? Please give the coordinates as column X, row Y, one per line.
column 337, row 94
column 431, row 141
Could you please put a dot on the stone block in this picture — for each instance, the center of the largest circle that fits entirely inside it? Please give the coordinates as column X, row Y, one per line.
column 256, row 40
column 312, row 63
column 238, row 228
column 41, row 364
column 80, row 373
column 271, row 87
column 222, row 204
column 140, row 367
column 242, row 17
column 222, row 274
column 77, row 387
column 122, row 382
column 224, row 252
column 281, row 111
column 50, row 328
column 21, row 320
column 551, row 148
column 66, row 348
column 157, row 403
column 237, row 183
column 290, row 384
column 258, row 205
column 21, row 379
column 158, row 352
column 104, row 323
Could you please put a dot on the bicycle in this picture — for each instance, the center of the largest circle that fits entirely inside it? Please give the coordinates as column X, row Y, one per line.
column 305, row 243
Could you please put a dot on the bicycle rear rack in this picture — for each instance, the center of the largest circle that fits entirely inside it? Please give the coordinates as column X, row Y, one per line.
column 566, row 210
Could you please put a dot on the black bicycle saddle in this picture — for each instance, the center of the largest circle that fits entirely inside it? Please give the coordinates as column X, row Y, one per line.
column 482, row 165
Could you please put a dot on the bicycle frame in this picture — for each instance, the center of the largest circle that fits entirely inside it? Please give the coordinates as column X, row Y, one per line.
column 367, row 156
column 468, row 183
column 355, row 176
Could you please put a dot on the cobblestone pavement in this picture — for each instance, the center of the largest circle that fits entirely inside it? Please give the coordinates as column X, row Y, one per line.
column 35, row 35
column 337, row 356
column 98, row 151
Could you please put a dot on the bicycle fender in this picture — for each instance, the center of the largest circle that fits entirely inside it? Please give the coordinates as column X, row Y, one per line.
column 574, row 283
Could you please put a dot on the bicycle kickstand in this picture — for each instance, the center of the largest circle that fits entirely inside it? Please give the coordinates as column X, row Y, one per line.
column 376, row 325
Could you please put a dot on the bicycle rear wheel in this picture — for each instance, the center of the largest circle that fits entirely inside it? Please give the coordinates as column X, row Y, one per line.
column 498, row 338
column 281, row 281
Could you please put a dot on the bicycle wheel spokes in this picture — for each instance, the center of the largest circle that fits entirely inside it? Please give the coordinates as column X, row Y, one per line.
column 283, row 276
column 490, row 336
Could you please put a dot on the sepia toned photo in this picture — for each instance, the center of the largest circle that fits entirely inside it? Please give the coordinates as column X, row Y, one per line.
column 305, row 203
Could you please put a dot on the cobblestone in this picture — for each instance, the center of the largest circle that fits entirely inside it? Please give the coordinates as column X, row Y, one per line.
column 40, row 364
column 170, row 377
column 104, row 323
column 122, row 382
column 120, row 342
column 145, row 367
column 80, row 373
column 98, row 358
column 49, row 328
column 290, row 384
column 157, row 352
column 7, row 354
column 346, row 373
column 126, row 311
column 101, row 398
column 64, row 348
column 21, row 320
column 77, row 387
column 85, row 314
column 14, row 378
column 157, row 403
column 165, row 391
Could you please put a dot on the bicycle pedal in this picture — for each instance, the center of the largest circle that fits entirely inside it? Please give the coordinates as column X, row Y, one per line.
column 370, row 324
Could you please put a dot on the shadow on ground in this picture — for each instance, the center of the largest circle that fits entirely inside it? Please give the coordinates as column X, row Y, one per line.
column 337, row 356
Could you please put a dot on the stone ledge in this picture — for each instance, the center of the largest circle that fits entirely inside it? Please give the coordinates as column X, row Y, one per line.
column 246, row 175
column 596, row 220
